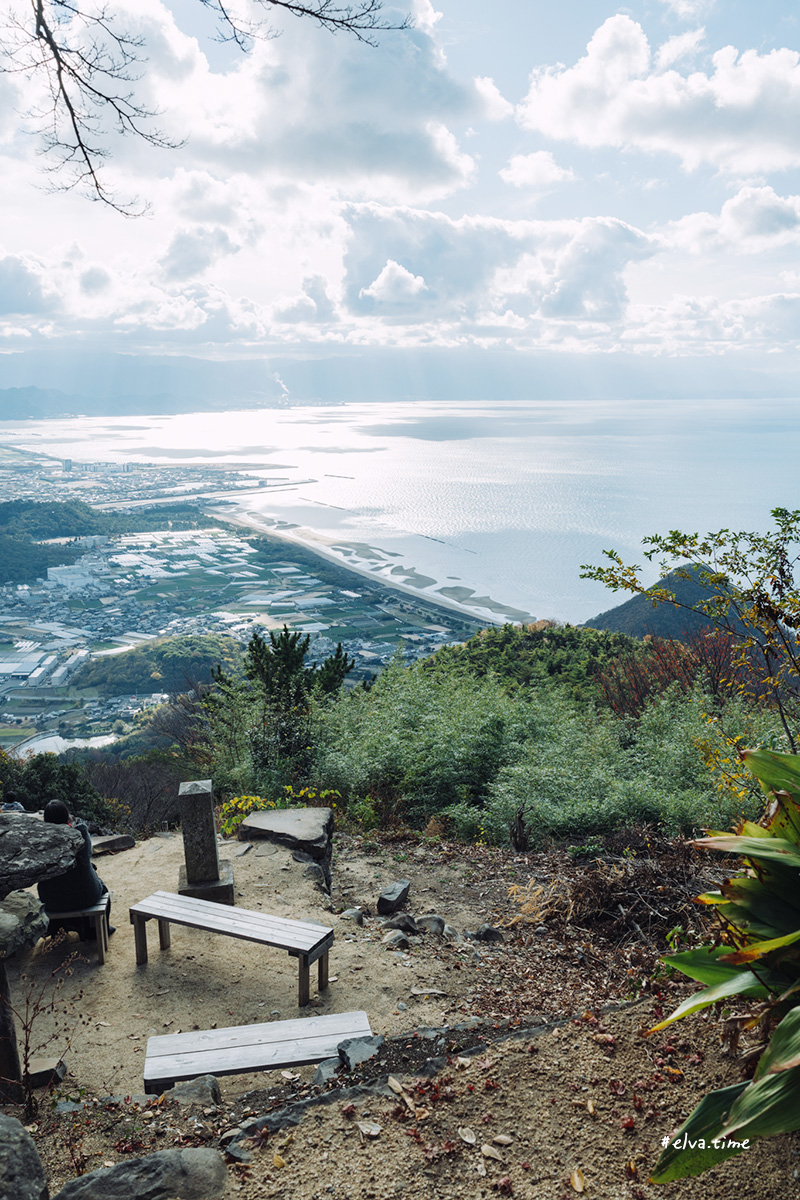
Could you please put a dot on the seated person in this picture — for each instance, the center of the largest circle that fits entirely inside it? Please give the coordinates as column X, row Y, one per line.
column 80, row 886
column 11, row 803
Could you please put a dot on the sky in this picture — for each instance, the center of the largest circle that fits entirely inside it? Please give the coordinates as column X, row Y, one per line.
column 568, row 181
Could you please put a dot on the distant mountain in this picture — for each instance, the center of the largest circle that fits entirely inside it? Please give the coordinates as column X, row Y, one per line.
column 31, row 403
column 637, row 616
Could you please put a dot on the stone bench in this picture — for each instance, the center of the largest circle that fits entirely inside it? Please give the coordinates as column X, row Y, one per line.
column 95, row 917
column 306, row 942
column 242, row 1048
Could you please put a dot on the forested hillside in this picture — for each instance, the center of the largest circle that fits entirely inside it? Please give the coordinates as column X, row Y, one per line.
column 164, row 665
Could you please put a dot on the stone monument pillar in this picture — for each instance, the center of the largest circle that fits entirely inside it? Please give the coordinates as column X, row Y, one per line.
column 203, row 876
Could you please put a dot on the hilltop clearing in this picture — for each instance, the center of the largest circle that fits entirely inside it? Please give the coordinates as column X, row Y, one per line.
column 562, row 1084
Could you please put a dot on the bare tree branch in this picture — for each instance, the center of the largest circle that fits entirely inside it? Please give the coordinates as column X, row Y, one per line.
column 91, row 67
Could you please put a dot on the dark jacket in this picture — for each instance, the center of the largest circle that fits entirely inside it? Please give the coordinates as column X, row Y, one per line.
column 79, row 887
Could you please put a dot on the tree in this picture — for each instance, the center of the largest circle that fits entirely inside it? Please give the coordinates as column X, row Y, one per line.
column 90, row 66
column 753, row 596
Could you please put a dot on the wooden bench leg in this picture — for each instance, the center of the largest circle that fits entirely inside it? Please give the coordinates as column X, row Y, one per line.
column 101, row 935
column 322, row 971
column 163, row 934
column 140, row 938
column 303, row 990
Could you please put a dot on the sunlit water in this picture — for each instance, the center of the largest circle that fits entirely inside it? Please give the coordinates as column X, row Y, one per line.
column 517, row 495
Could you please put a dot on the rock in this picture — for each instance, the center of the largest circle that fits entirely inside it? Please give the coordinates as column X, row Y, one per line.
column 326, row 1071
column 487, row 933
column 315, row 873
column 395, row 940
column 354, row 1051
column 402, row 921
column 204, row 1090
column 22, row 922
column 307, row 830
column 194, row 1174
column 21, row 1172
column 352, row 914
column 451, row 934
column 393, row 897
column 402, row 1006
column 106, row 843
column 432, row 923
column 32, row 850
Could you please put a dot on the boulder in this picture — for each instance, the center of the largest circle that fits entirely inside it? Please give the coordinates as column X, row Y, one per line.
column 204, row 1091
column 32, row 850
column 395, row 940
column 193, row 1174
column 355, row 915
column 432, row 923
column 307, row 830
column 487, row 933
column 22, row 922
column 393, row 897
column 21, row 1172
column 402, row 921
column 354, row 1051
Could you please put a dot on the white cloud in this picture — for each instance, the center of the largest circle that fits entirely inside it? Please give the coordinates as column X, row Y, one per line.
column 743, row 117
column 538, row 171
column 485, row 271
column 753, row 221
column 688, row 10
column 191, row 252
column 23, row 288
column 395, row 285
column 684, row 45
column 497, row 108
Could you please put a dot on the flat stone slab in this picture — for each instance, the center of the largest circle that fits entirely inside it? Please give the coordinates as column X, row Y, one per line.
column 32, row 850
column 111, row 842
column 306, row 829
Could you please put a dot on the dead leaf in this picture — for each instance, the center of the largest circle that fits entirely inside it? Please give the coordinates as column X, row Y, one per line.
column 105, row 1024
column 368, row 1128
column 277, row 1161
column 467, row 1135
column 289, row 1075
column 462, row 1063
column 489, row 1152
column 590, row 1108
column 427, row 992
column 577, row 1180
column 503, row 1139
column 395, row 1085
column 481, row 1167
column 631, row 1169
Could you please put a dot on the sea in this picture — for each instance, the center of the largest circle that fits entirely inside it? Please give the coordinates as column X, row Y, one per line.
column 493, row 507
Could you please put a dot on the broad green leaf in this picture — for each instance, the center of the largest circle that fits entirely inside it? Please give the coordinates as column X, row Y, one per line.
column 758, row 949
column 768, row 849
column 703, row 964
column 775, row 772
column 703, row 1125
column 772, row 903
column 783, row 1051
column 769, row 1105
column 740, row 983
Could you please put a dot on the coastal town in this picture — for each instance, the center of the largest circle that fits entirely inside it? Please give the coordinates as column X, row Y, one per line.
column 125, row 590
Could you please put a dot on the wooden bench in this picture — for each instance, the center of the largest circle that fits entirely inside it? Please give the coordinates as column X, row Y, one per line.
column 95, row 917
column 306, row 942
column 241, row 1048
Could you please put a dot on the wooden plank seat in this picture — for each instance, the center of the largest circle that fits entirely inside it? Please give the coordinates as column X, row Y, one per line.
column 95, row 918
column 241, row 1048
column 304, row 941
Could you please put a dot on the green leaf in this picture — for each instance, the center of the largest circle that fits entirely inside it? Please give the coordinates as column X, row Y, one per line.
column 769, row 1105
column 738, row 983
column 704, row 965
column 758, row 949
column 703, row 1125
column 783, row 1051
column 775, row 772
column 770, row 849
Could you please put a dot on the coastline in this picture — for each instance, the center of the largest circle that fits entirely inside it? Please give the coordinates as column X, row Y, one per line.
column 486, row 610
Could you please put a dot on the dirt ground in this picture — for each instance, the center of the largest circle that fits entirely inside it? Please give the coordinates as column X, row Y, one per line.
column 560, row 1098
